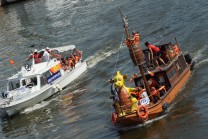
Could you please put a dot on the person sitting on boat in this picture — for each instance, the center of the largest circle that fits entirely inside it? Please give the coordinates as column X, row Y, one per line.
column 71, row 63
column 134, row 41
column 176, row 49
column 141, row 93
column 46, row 55
column 64, row 64
column 77, row 55
column 35, row 55
column 54, row 54
column 156, row 93
column 155, row 53
column 171, row 54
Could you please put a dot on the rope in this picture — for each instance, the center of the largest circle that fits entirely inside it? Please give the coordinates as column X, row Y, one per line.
column 118, row 53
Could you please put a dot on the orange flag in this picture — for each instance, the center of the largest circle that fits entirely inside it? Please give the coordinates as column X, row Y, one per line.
column 11, row 61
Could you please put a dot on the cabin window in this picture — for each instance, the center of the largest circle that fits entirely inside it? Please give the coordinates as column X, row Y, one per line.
column 47, row 74
column 30, row 82
column 34, row 80
column 43, row 81
column 23, row 82
column 171, row 72
column 182, row 61
column 14, row 85
column 44, row 78
column 178, row 67
column 161, row 80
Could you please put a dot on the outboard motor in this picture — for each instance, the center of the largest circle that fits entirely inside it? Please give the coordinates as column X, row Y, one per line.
column 188, row 58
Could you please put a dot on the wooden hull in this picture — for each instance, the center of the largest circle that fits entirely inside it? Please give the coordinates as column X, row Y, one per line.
column 157, row 109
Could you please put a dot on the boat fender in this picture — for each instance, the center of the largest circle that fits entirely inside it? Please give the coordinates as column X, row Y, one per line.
column 188, row 58
column 142, row 112
column 165, row 106
column 114, row 117
column 57, row 86
column 3, row 115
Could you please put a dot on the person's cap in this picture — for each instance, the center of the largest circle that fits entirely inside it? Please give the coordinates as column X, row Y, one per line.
column 47, row 48
column 35, row 50
column 134, row 32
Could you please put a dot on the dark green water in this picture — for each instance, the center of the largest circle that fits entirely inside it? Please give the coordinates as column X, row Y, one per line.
column 83, row 109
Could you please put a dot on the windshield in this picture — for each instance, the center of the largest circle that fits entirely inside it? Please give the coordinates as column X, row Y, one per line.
column 14, row 85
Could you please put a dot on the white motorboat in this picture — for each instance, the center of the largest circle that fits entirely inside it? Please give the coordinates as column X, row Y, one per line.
column 37, row 82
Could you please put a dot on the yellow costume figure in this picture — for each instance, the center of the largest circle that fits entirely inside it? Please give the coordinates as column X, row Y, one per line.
column 126, row 101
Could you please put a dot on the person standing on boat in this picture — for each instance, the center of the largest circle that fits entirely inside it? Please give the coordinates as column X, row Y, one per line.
column 77, row 54
column 155, row 53
column 134, row 41
column 46, row 55
column 36, row 56
column 114, row 91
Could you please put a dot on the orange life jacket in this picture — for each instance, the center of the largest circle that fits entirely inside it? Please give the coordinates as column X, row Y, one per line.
column 71, row 63
column 136, row 39
column 76, row 58
column 176, row 49
column 128, row 42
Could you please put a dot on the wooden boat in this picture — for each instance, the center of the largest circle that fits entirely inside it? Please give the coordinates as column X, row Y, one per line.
column 172, row 77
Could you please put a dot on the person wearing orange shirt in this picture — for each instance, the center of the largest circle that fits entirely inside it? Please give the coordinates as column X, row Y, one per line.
column 134, row 41
column 77, row 55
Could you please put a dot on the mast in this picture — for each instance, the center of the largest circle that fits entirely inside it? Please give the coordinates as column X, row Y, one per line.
column 136, row 54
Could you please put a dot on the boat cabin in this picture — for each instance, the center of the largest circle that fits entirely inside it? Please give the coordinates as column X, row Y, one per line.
column 165, row 75
column 34, row 78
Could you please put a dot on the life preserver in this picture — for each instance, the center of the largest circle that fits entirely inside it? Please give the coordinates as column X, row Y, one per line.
column 114, row 117
column 142, row 116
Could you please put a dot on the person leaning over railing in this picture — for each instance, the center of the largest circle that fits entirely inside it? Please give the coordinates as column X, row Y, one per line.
column 155, row 53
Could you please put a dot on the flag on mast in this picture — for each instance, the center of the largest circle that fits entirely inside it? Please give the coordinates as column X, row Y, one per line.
column 11, row 61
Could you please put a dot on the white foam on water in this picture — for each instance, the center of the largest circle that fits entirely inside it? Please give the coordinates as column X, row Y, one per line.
column 199, row 54
column 143, row 124
column 201, row 62
column 99, row 56
column 37, row 106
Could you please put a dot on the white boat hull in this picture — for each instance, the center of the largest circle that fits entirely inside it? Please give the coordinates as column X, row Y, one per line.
column 47, row 91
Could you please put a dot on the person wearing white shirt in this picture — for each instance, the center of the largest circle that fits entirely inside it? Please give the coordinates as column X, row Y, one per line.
column 46, row 55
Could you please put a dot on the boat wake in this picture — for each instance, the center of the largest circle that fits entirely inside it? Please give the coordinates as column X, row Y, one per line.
column 142, row 125
column 101, row 55
column 47, row 102
column 200, row 56
column 37, row 106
